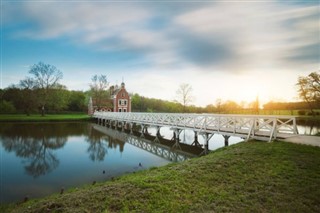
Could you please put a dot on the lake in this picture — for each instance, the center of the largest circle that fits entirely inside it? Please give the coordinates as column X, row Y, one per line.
column 38, row 159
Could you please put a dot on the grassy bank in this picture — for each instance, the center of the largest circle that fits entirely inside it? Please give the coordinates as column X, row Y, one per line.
column 247, row 177
column 48, row 117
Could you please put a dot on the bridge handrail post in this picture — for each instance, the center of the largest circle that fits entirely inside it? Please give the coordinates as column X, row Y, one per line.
column 273, row 133
column 295, row 128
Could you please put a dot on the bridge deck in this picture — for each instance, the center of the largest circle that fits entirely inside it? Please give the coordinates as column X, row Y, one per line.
column 258, row 127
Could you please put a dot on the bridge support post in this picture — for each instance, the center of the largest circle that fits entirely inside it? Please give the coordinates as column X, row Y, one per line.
column 176, row 138
column 206, row 136
column 158, row 135
column 142, row 131
column 115, row 124
column 146, row 130
column 226, row 140
column 123, row 125
column 196, row 142
column 131, row 128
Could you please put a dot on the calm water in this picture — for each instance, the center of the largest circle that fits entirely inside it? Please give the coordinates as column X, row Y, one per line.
column 39, row 159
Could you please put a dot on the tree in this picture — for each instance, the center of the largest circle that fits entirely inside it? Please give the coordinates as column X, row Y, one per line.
column 219, row 105
column 255, row 105
column 46, row 78
column 6, row 107
column 29, row 97
column 98, row 88
column 77, row 101
column 230, row 106
column 309, row 90
column 184, row 95
column 59, row 98
column 14, row 95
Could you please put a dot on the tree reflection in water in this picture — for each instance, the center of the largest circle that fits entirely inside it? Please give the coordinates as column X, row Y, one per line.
column 35, row 145
column 98, row 147
column 99, row 143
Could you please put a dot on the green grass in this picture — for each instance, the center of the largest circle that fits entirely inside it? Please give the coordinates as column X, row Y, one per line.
column 48, row 117
column 246, row 177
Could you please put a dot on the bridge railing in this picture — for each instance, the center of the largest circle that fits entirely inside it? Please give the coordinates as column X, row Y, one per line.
column 252, row 126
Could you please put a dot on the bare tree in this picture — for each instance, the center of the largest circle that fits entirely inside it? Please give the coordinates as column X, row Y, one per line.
column 28, row 83
column 98, row 88
column 309, row 90
column 184, row 95
column 46, row 77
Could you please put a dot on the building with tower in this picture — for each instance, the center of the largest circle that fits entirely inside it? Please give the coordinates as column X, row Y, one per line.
column 119, row 101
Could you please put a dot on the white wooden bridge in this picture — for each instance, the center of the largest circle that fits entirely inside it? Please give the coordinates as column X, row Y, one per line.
column 259, row 127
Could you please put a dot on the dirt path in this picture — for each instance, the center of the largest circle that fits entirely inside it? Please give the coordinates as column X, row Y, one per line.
column 304, row 139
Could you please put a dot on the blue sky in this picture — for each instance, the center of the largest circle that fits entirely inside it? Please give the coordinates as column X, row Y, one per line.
column 233, row 50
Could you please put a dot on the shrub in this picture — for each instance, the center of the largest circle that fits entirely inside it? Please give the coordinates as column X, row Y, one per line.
column 302, row 112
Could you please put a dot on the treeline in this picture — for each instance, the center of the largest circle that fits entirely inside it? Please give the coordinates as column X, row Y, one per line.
column 27, row 101
column 290, row 105
column 144, row 104
column 61, row 100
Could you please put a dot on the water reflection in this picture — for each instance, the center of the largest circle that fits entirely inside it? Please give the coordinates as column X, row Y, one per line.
column 163, row 148
column 308, row 127
column 36, row 158
column 99, row 143
column 98, row 146
column 37, row 143
column 35, row 148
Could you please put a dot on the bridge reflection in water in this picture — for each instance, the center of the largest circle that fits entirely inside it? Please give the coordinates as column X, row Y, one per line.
column 159, row 146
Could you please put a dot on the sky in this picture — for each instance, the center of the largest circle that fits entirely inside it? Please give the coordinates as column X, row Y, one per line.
column 228, row 50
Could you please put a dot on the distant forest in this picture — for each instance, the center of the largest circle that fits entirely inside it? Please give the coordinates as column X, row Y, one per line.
column 60, row 100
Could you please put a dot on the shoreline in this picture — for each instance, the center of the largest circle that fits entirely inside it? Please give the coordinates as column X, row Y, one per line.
column 47, row 118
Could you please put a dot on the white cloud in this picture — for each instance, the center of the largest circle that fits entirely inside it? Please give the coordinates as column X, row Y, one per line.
column 55, row 19
column 258, row 33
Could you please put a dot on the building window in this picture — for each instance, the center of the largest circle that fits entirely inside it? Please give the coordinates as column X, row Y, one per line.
column 122, row 95
column 122, row 102
column 124, row 110
column 119, row 110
